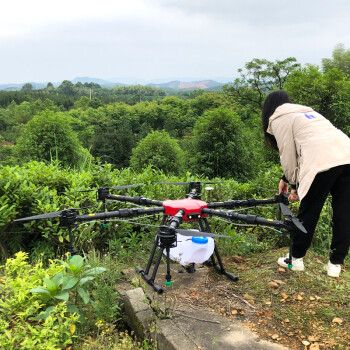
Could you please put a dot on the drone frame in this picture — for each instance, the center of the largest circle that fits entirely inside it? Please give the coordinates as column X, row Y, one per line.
column 191, row 209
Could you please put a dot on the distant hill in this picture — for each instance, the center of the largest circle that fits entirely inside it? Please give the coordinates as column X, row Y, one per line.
column 179, row 85
column 102, row 82
column 210, row 85
column 17, row 87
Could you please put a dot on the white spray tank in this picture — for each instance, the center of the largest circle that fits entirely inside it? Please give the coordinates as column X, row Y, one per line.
column 192, row 249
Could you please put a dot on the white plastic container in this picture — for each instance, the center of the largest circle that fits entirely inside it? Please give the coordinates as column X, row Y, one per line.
column 192, row 249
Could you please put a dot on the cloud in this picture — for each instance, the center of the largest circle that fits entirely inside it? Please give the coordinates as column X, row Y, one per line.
column 156, row 38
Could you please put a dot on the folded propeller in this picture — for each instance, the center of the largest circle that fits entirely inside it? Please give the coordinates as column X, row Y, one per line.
column 108, row 188
column 287, row 213
column 197, row 233
column 47, row 215
column 182, row 183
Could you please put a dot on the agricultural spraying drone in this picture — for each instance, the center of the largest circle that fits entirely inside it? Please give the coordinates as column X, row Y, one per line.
column 175, row 212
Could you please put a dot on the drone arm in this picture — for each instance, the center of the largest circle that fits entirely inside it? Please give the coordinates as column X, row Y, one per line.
column 279, row 198
column 240, row 203
column 137, row 200
column 249, row 219
column 122, row 213
column 176, row 220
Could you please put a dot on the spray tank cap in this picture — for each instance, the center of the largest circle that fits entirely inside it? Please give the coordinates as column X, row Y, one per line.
column 200, row 240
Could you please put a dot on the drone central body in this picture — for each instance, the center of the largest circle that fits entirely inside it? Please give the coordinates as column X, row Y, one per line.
column 192, row 208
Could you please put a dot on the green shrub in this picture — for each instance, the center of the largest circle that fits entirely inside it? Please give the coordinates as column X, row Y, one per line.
column 48, row 136
column 19, row 326
column 158, row 150
column 68, row 285
column 35, row 188
column 221, row 146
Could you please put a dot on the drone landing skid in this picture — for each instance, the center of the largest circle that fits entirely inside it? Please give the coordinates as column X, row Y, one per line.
column 165, row 242
column 220, row 268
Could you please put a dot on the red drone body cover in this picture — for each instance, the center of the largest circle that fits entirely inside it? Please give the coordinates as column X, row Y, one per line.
column 192, row 208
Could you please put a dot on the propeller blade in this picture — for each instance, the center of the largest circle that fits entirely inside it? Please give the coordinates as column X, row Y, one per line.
column 285, row 210
column 196, row 233
column 108, row 188
column 77, row 191
column 299, row 225
column 50, row 215
column 41, row 216
column 181, row 183
column 123, row 187
column 172, row 183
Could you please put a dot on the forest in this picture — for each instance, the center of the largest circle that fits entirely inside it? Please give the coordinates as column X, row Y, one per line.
column 57, row 141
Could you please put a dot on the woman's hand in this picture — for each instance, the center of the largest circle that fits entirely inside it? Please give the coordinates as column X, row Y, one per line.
column 293, row 196
column 282, row 187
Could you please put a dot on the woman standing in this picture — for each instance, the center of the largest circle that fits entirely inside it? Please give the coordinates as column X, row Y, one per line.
column 315, row 157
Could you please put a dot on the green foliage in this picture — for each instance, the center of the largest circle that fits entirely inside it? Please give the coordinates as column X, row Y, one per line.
column 19, row 326
column 327, row 93
column 107, row 305
column 67, row 88
column 221, row 146
column 113, row 141
column 30, row 190
column 68, row 285
column 340, row 60
column 109, row 131
column 95, row 103
column 82, row 103
column 158, row 150
column 27, row 87
column 258, row 78
column 34, row 189
column 137, row 93
column 49, row 136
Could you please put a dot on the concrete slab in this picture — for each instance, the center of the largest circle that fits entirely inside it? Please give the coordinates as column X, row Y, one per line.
column 210, row 331
column 176, row 324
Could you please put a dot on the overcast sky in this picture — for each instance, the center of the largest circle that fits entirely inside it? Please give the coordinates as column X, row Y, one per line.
column 139, row 40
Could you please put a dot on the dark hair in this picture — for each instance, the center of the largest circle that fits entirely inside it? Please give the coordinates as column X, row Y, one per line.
column 273, row 100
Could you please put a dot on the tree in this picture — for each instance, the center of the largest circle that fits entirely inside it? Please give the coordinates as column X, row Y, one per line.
column 49, row 136
column 113, row 141
column 137, row 93
column 340, row 60
column 67, row 88
column 27, row 87
column 159, row 150
column 328, row 94
column 95, row 103
column 82, row 103
column 220, row 146
column 49, row 87
column 258, row 78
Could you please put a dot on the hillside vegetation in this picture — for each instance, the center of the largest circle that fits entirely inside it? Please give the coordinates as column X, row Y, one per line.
column 58, row 142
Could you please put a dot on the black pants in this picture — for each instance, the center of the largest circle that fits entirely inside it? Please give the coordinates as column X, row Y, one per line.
column 335, row 181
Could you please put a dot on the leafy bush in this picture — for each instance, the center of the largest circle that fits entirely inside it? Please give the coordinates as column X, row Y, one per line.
column 19, row 326
column 47, row 136
column 68, row 285
column 327, row 93
column 34, row 189
column 221, row 147
column 159, row 150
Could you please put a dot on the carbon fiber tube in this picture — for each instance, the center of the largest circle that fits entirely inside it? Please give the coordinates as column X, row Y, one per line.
column 137, row 200
column 279, row 198
column 122, row 213
column 241, row 203
column 250, row 219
